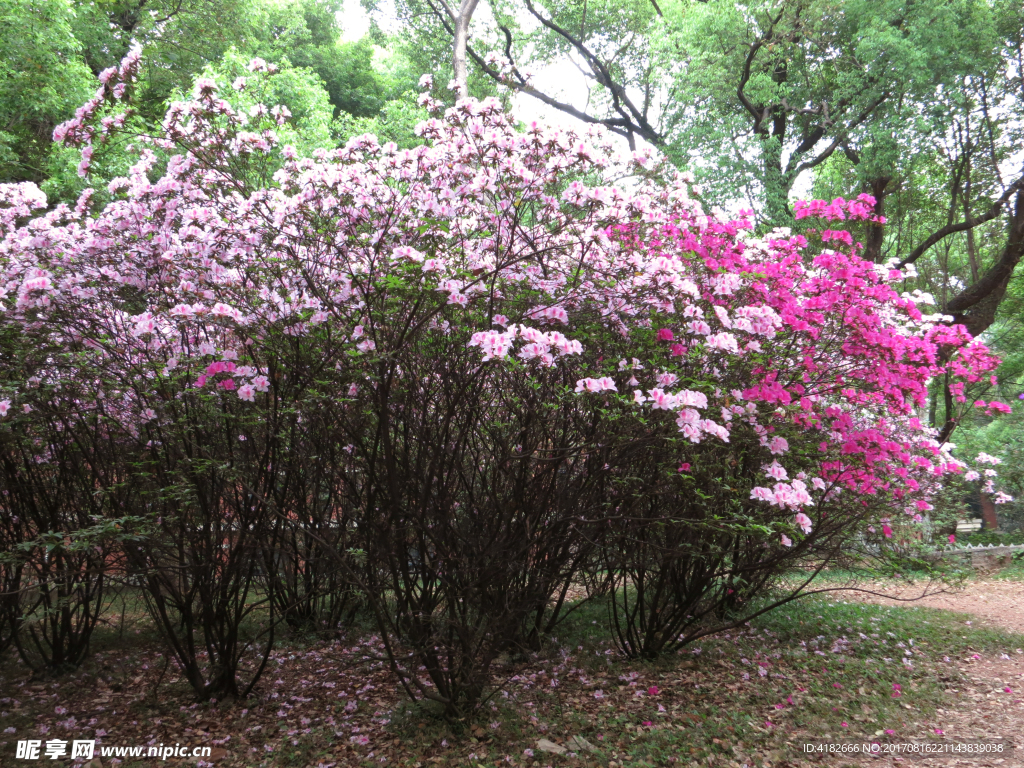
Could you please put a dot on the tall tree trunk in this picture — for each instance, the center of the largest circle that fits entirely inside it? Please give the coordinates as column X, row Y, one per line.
column 776, row 191
column 876, row 233
column 975, row 306
column 972, row 251
column 462, row 19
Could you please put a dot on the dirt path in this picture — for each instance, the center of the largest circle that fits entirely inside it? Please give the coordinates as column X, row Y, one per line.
column 980, row 707
column 996, row 603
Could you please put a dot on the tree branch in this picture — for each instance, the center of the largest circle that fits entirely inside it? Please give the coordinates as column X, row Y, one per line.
column 810, row 140
column 836, row 143
column 744, row 79
column 632, row 119
column 975, row 307
column 998, row 275
column 520, row 84
column 952, row 229
column 851, row 153
column 745, row 74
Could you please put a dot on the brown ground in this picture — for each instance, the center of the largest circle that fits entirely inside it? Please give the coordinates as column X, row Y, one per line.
column 979, row 707
column 996, row 603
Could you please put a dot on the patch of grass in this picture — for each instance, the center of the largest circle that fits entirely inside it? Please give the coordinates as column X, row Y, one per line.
column 1013, row 572
column 817, row 668
column 820, row 668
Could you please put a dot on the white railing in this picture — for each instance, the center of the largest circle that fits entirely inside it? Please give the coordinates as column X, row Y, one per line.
column 984, row 549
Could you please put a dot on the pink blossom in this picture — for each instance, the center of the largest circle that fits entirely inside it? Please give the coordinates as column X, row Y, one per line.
column 662, row 400
column 692, row 399
column 724, row 341
column 596, row 385
column 406, row 252
column 665, row 334
column 205, row 86
column 699, row 327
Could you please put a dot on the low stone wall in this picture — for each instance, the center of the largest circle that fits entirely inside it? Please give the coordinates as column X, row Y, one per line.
column 983, row 558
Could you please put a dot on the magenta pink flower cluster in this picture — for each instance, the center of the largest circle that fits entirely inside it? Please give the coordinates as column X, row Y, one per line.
column 516, row 244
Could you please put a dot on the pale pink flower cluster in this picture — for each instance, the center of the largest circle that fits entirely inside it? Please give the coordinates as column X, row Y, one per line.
column 791, row 495
column 604, row 384
column 540, row 347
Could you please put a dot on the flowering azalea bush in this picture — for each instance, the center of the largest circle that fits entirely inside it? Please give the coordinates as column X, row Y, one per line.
column 472, row 370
